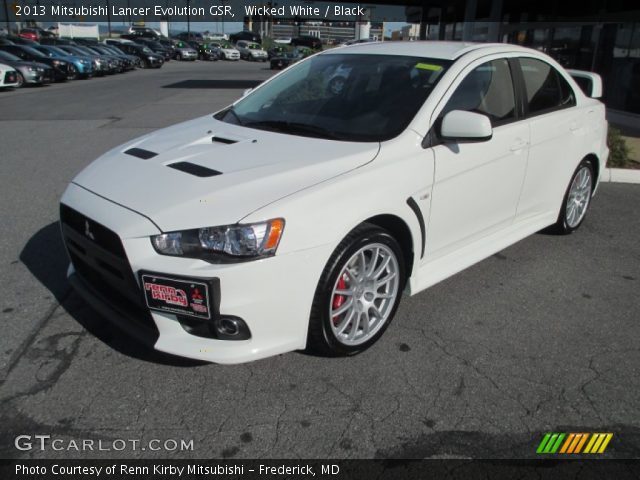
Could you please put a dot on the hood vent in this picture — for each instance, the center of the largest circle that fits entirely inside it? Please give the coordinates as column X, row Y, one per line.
column 193, row 169
column 226, row 141
column 140, row 153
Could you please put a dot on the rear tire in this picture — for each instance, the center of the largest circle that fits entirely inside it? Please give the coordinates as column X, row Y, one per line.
column 577, row 199
column 358, row 293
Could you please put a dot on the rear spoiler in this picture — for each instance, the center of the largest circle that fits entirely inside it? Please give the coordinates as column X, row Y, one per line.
column 589, row 82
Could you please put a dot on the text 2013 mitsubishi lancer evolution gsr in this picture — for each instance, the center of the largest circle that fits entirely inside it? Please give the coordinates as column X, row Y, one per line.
column 297, row 217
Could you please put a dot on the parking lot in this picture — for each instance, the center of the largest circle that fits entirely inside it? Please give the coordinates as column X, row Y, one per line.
column 540, row 337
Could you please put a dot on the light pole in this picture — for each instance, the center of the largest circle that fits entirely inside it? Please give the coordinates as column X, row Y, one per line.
column 6, row 17
column 109, row 18
column 188, row 21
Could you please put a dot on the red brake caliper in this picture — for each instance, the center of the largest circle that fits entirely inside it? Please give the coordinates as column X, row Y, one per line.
column 339, row 299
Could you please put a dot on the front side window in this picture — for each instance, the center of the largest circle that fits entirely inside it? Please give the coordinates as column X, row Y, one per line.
column 488, row 90
column 546, row 89
column 353, row 97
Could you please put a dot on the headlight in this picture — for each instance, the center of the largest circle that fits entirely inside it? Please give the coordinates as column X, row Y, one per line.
column 223, row 244
column 57, row 63
column 32, row 69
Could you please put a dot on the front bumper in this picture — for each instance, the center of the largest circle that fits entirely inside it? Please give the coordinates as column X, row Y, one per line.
column 272, row 296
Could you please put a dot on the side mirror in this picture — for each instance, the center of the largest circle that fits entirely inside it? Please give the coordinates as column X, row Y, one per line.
column 589, row 82
column 461, row 126
column 247, row 92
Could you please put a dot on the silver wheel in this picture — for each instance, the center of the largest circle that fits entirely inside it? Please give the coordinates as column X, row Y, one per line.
column 364, row 294
column 579, row 197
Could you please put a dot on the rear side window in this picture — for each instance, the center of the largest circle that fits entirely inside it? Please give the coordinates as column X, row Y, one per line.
column 546, row 89
column 488, row 90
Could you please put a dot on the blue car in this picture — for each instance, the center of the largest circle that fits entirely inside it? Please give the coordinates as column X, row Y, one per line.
column 83, row 65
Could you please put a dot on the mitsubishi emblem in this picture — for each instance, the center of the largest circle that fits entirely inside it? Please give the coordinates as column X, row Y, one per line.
column 87, row 231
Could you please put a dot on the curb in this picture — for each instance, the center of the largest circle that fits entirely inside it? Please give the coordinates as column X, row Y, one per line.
column 620, row 175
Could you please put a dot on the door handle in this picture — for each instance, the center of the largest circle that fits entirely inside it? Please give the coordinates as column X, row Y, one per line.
column 518, row 146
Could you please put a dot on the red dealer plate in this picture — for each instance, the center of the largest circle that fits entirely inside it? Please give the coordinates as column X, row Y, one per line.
column 179, row 297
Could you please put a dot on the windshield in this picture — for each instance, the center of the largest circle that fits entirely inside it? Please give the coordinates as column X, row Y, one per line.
column 33, row 51
column 352, row 97
column 254, row 46
column 57, row 51
column 8, row 56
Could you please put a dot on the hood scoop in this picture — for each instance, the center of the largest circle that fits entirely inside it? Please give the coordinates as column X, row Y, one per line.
column 193, row 169
column 140, row 153
column 226, row 141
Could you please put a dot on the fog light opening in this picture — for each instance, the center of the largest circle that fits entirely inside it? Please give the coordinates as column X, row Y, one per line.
column 229, row 326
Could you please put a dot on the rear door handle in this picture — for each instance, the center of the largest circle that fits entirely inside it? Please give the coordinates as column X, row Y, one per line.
column 518, row 146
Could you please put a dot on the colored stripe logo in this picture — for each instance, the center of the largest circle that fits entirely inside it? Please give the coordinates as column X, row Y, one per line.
column 573, row 443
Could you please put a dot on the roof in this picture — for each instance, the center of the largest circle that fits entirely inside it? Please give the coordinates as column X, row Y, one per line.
column 430, row 49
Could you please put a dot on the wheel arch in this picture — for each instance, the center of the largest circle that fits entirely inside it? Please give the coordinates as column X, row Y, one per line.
column 399, row 229
column 595, row 161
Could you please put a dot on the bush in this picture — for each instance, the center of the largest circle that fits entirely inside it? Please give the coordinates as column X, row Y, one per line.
column 618, row 149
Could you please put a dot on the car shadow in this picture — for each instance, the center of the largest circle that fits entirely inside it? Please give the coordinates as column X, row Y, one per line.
column 46, row 258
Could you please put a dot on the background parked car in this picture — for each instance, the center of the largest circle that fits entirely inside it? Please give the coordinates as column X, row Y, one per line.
column 16, row 40
column 144, row 32
column 206, row 51
column 148, row 58
column 100, row 64
column 83, row 65
column 184, row 51
column 8, row 76
column 127, row 62
column 62, row 69
column 155, row 47
column 29, row 34
column 29, row 73
column 245, row 35
column 289, row 57
column 132, row 61
column 227, row 51
column 189, row 37
column 307, row 41
column 251, row 51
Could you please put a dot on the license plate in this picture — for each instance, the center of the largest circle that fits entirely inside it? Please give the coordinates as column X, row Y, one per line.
column 179, row 297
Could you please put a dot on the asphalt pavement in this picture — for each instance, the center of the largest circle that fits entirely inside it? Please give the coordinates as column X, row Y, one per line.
column 540, row 337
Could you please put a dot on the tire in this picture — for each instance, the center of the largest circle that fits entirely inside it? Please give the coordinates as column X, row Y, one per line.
column 336, row 329
column 179, row 57
column 73, row 73
column 20, row 80
column 577, row 199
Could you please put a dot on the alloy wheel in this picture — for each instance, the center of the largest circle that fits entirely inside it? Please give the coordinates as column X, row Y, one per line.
column 364, row 294
column 579, row 196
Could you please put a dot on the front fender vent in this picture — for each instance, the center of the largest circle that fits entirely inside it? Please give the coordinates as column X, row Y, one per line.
column 226, row 141
column 193, row 169
column 140, row 153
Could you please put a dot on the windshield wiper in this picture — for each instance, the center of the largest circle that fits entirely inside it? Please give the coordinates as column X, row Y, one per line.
column 294, row 128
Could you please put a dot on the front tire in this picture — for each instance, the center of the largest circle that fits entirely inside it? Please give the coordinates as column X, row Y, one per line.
column 576, row 199
column 358, row 293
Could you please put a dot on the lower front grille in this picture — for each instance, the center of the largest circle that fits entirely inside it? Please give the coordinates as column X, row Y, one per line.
column 103, row 265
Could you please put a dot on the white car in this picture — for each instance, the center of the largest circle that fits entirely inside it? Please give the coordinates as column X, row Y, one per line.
column 252, row 51
column 297, row 217
column 227, row 51
column 8, row 76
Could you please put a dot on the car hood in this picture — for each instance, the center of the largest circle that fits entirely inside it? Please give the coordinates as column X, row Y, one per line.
column 256, row 167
